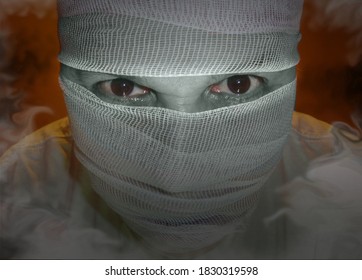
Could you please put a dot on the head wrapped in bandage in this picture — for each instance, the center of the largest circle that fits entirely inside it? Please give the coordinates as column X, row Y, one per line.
column 178, row 38
column 180, row 180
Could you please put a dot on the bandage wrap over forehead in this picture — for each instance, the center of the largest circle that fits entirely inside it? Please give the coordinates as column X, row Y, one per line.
column 182, row 181
column 178, row 38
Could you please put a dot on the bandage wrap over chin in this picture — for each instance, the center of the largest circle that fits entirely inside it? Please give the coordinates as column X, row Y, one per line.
column 182, row 181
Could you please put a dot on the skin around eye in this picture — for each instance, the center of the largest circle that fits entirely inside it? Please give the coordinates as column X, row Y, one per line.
column 121, row 87
column 187, row 94
column 238, row 89
column 229, row 91
column 238, row 84
column 122, row 91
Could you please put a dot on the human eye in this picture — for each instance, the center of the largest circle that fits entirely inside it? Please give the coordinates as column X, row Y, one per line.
column 238, row 85
column 124, row 91
column 121, row 87
column 237, row 89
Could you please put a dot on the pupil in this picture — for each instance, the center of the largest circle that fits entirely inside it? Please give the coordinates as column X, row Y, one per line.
column 122, row 87
column 239, row 84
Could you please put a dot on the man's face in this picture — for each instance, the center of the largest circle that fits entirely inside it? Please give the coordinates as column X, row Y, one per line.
column 189, row 94
column 193, row 178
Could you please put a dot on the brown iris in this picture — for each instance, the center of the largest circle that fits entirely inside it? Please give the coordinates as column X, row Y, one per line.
column 239, row 84
column 122, row 87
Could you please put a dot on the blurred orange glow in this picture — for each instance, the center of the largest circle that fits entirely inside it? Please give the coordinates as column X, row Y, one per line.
column 34, row 63
column 329, row 88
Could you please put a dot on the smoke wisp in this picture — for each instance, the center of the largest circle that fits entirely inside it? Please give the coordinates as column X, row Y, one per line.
column 345, row 15
column 16, row 115
column 24, row 7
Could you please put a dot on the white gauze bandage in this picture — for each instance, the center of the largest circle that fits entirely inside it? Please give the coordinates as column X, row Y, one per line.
column 179, row 38
column 182, row 181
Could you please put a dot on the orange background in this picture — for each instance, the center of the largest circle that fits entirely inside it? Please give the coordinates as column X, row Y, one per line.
column 329, row 86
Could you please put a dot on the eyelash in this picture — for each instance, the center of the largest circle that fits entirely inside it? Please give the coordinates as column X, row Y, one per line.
column 224, row 86
column 107, row 88
column 127, row 89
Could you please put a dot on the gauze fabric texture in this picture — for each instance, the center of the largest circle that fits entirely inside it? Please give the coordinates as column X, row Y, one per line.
column 179, row 38
column 182, row 181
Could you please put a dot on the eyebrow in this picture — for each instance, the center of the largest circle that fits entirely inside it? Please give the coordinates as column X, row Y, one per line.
column 89, row 77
